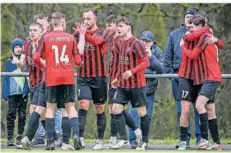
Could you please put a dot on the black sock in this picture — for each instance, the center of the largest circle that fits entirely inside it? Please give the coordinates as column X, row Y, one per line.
column 204, row 125
column 129, row 120
column 113, row 127
column 183, row 133
column 74, row 122
column 66, row 127
column 43, row 124
column 82, row 121
column 144, row 124
column 32, row 125
column 213, row 127
column 120, row 123
column 101, row 125
column 50, row 128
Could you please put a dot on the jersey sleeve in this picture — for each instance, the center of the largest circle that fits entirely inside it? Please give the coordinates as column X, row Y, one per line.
column 75, row 54
column 139, row 49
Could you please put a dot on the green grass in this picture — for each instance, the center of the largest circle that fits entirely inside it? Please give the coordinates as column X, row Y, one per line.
column 165, row 141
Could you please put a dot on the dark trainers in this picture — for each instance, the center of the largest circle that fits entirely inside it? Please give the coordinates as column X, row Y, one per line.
column 19, row 138
column 10, row 142
column 38, row 141
column 50, row 144
column 77, row 143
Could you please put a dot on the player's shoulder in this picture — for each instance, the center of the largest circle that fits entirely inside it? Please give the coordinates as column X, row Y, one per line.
column 136, row 41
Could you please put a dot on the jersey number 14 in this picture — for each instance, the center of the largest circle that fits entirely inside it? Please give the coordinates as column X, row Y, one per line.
column 63, row 58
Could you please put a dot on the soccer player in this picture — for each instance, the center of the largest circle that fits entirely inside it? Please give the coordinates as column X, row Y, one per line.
column 172, row 62
column 91, row 81
column 130, row 82
column 60, row 50
column 111, row 28
column 31, row 44
column 156, row 60
column 212, row 79
column 35, row 31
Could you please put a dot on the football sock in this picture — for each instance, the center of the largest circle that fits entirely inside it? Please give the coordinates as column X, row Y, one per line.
column 66, row 127
column 129, row 120
column 144, row 124
column 213, row 127
column 32, row 125
column 74, row 123
column 113, row 127
column 101, row 125
column 50, row 128
column 183, row 133
column 120, row 123
column 82, row 121
column 204, row 125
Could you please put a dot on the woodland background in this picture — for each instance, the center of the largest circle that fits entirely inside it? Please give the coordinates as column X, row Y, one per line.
column 159, row 18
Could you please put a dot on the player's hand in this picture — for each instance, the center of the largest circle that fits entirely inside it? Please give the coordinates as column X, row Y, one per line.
column 211, row 40
column 80, row 64
column 43, row 62
column 149, row 52
column 126, row 75
column 82, row 29
column 115, row 83
column 15, row 60
column 181, row 42
column 77, row 27
column 187, row 32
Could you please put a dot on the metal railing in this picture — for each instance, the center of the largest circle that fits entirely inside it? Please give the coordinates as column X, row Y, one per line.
column 224, row 76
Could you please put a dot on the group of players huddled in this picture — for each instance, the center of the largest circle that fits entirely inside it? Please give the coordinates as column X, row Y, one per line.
column 52, row 55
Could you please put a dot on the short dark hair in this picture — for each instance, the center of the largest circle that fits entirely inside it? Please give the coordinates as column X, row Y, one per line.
column 39, row 16
column 111, row 19
column 126, row 20
column 91, row 10
column 205, row 15
column 36, row 24
column 197, row 19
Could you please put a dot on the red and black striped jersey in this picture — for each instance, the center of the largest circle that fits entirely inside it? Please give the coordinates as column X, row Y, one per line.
column 208, row 67
column 35, row 74
column 94, row 54
column 133, row 57
column 114, row 48
column 192, row 68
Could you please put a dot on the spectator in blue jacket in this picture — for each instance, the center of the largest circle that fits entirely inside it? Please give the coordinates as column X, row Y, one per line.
column 156, row 59
column 15, row 91
column 172, row 63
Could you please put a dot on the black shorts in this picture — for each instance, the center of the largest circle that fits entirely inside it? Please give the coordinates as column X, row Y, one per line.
column 42, row 94
column 34, row 95
column 137, row 96
column 187, row 90
column 60, row 94
column 94, row 89
column 209, row 89
column 111, row 94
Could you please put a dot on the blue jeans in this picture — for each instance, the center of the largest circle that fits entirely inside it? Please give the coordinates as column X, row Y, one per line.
column 40, row 133
column 150, row 107
column 58, row 122
column 175, row 90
